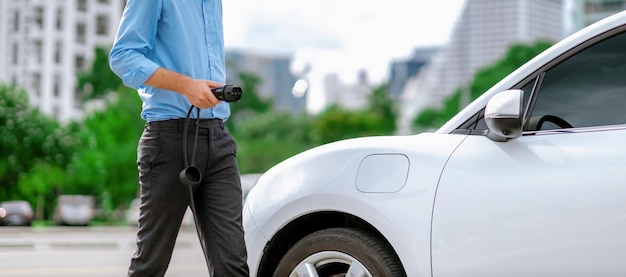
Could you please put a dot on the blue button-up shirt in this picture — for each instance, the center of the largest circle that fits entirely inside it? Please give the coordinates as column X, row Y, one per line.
column 184, row 36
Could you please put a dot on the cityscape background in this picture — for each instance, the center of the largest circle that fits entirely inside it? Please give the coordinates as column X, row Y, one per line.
column 45, row 44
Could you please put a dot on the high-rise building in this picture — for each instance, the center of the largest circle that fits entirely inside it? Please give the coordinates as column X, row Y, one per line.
column 45, row 44
column 483, row 33
column 403, row 70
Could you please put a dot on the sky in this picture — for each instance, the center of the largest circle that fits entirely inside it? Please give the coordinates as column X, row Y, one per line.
column 338, row 36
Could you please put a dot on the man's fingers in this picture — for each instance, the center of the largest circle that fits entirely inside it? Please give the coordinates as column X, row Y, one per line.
column 206, row 102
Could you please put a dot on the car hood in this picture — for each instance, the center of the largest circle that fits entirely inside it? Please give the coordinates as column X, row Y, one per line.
column 334, row 157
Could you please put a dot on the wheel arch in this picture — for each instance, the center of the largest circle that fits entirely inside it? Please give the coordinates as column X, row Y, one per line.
column 307, row 224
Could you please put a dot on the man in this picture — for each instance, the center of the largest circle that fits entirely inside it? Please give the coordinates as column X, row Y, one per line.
column 172, row 52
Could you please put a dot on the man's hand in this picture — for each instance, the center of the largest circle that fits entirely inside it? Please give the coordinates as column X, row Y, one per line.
column 200, row 95
column 198, row 92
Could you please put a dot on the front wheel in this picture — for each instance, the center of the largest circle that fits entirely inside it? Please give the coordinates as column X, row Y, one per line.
column 339, row 252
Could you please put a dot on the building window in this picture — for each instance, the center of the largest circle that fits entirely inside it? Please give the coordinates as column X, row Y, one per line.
column 77, row 97
column 38, row 17
column 56, row 111
column 57, row 91
column 102, row 24
column 16, row 21
column 37, row 84
column 58, row 52
column 59, row 22
column 81, row 33
column 79, row 62
column 15, row 52
column 82, row 5
column 38, row 51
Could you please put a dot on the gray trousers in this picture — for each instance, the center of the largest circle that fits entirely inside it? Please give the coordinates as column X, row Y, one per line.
column 164, row 199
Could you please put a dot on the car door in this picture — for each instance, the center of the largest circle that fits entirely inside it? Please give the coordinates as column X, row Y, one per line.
column 553, row 201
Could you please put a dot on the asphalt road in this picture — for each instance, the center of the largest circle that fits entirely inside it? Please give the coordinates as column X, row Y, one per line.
column 87, row 251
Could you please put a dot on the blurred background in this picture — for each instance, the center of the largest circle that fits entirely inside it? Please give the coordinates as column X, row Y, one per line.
column 312, row 71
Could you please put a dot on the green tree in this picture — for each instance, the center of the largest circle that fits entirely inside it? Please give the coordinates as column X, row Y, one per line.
column 378, row 118
column 265, row 139
column 31, row 142
column 106, row 165
column 41, row 186
column 516, row 56
column 103, row 163
column 99, row 80
column 383, row 107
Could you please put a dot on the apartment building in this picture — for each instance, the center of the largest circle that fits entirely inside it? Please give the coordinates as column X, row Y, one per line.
column 45, row 44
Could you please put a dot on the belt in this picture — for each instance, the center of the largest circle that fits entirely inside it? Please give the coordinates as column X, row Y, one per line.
column 179, row 124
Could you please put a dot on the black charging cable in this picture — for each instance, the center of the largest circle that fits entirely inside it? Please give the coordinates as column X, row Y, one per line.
column 191, row 176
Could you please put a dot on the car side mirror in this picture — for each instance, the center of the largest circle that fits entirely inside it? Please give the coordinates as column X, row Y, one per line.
column 503, row 115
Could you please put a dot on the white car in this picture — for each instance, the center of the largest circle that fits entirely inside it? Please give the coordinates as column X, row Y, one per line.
column 74, row 210
column 528, row 180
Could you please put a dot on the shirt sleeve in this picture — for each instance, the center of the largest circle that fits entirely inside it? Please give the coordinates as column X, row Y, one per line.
column 129, row 56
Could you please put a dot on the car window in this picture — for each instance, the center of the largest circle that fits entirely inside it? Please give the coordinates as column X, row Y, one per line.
column 585, row 90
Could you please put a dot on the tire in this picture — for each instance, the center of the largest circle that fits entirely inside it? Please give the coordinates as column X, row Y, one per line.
column 337, row 252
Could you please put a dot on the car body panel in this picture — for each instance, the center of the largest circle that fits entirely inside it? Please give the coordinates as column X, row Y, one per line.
column 485, row 224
